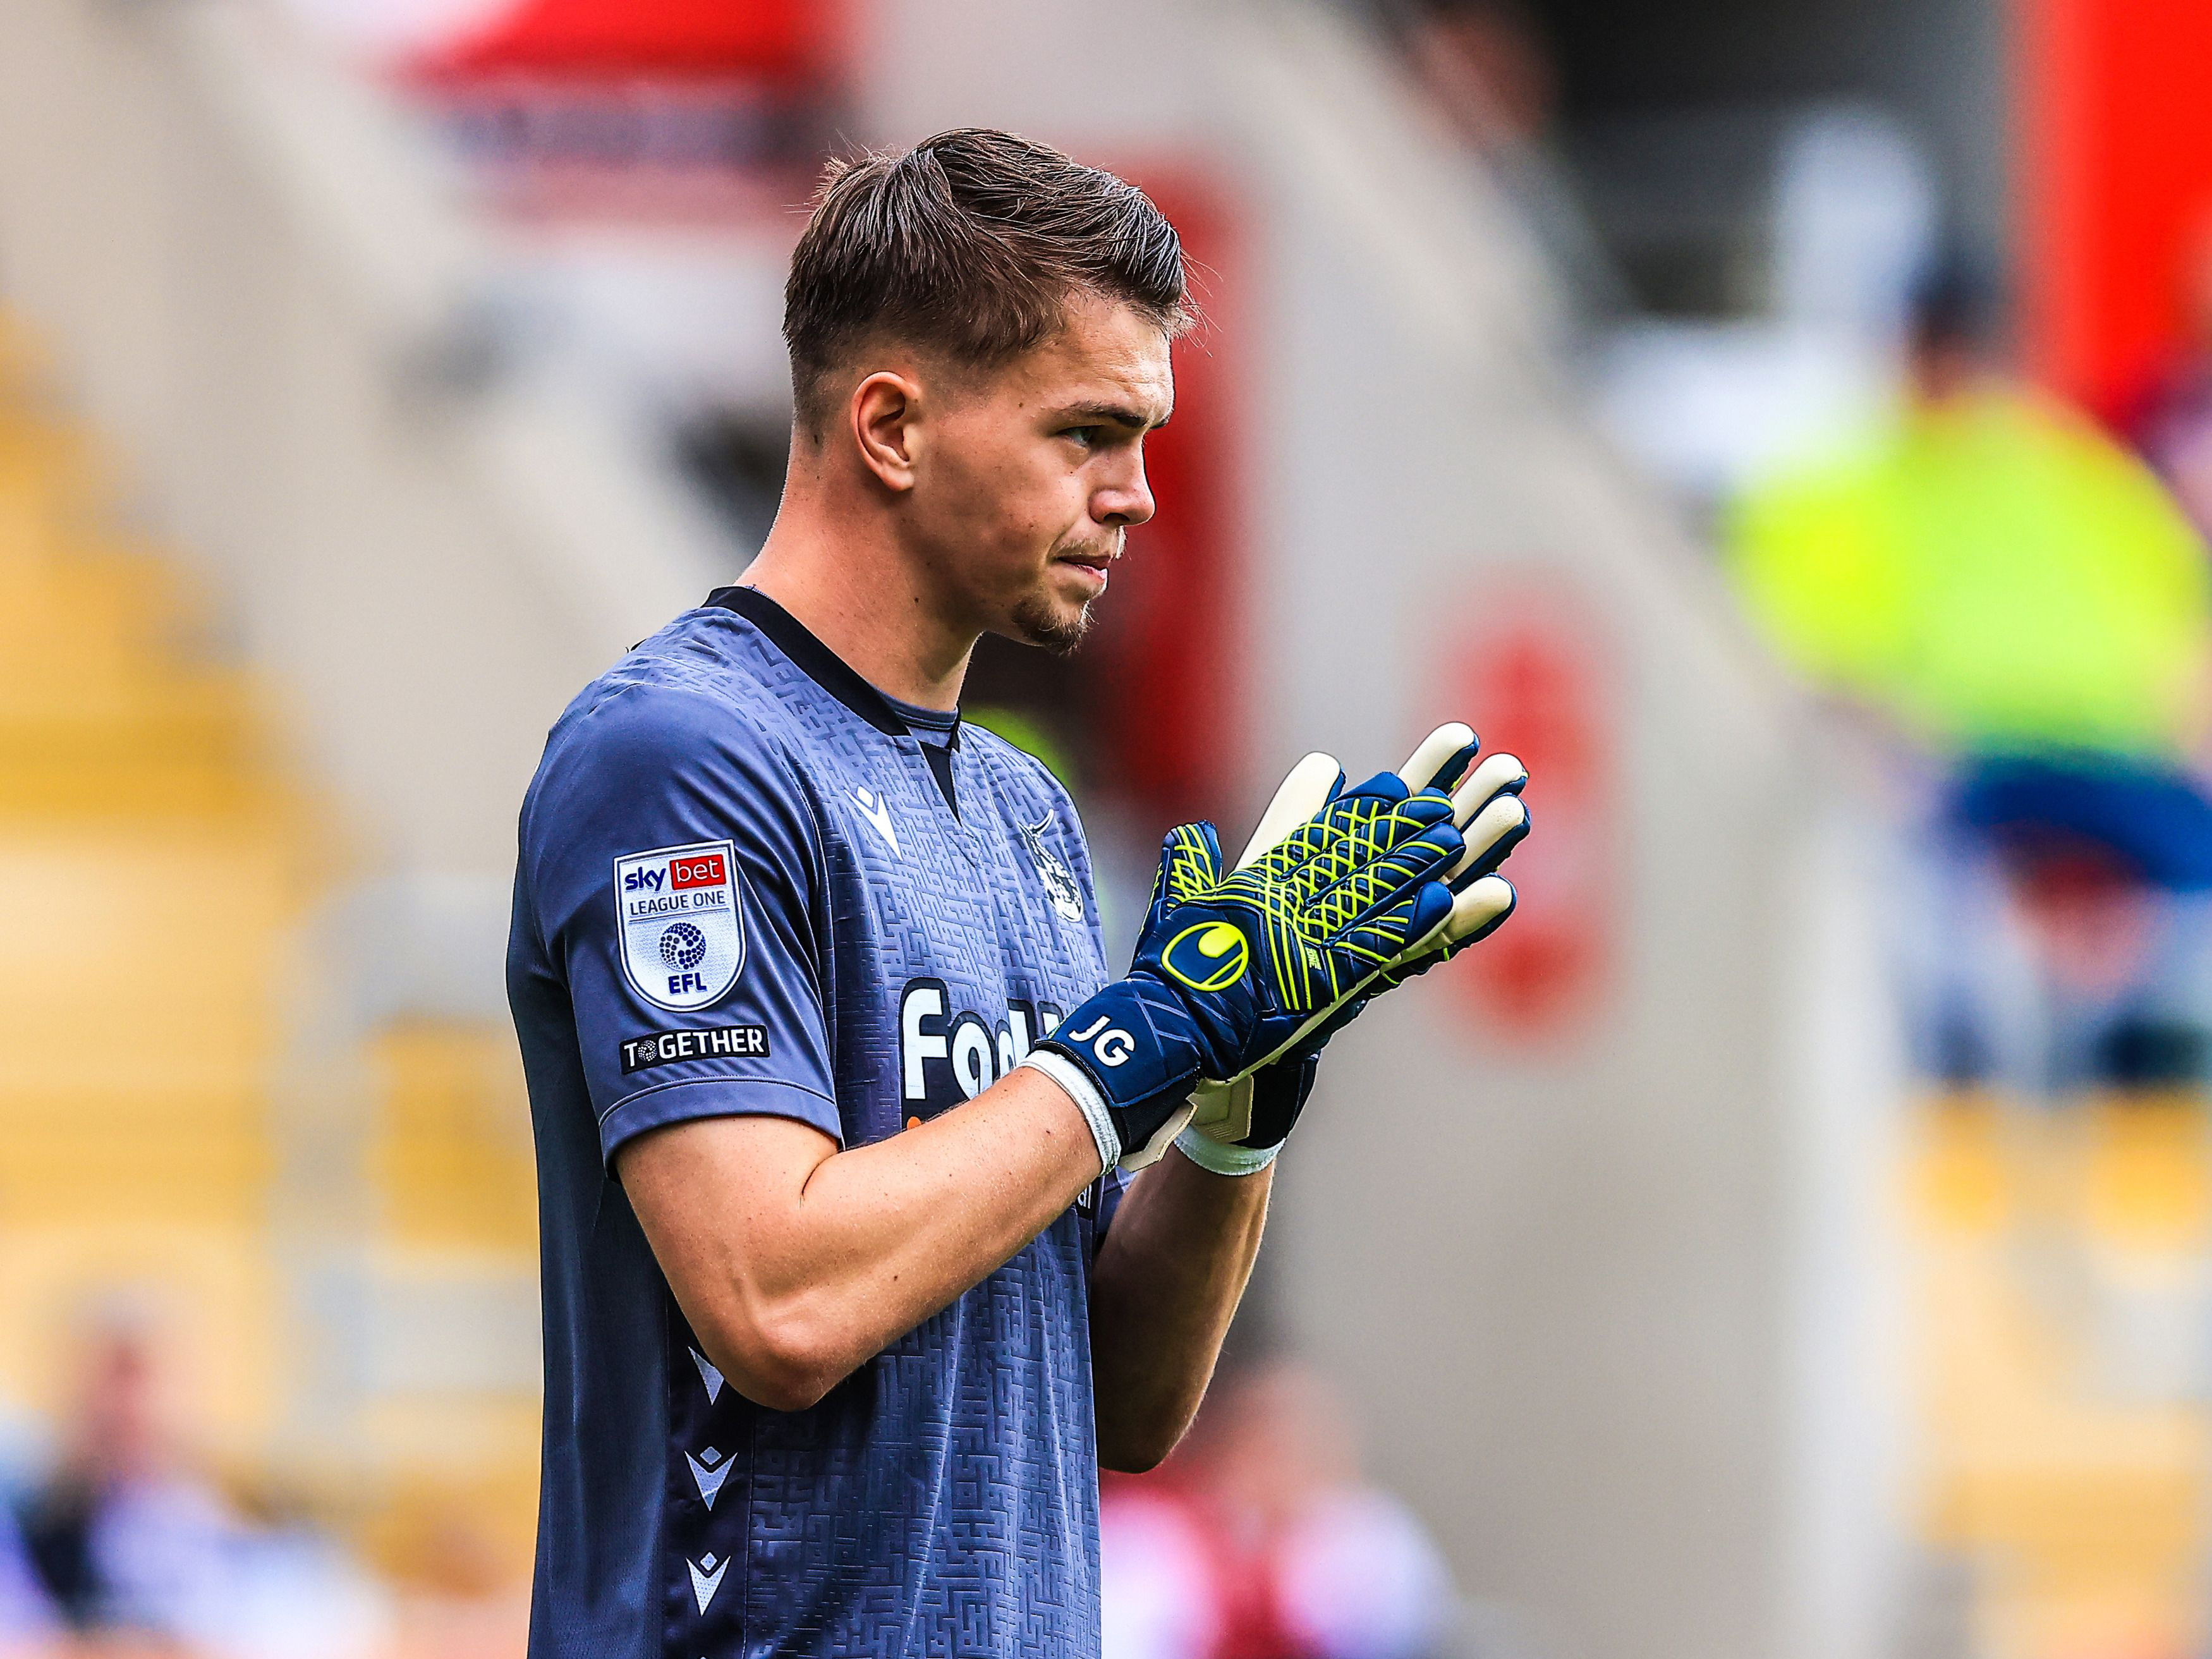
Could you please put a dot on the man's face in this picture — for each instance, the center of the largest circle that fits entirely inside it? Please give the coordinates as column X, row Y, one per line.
column 1032, row 474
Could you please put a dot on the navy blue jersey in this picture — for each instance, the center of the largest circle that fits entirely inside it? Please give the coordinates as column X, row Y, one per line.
column 746, row 885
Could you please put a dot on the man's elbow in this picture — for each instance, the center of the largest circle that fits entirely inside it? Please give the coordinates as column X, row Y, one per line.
column 1131, row 1449
column 777, row 1360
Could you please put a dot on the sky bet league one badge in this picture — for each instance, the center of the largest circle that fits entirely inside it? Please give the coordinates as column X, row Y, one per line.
column 682, row 938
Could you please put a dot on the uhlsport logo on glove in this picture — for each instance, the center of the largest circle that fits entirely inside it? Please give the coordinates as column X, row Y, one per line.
column 1209, row 956
column 682, row 938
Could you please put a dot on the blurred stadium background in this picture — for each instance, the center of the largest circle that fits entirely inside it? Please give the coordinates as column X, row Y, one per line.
column 1791, row 1239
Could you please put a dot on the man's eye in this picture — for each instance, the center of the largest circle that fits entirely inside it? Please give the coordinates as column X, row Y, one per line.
column 1087, row 436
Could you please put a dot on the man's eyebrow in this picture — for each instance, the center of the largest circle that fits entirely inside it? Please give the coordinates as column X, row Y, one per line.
column 1121, row 414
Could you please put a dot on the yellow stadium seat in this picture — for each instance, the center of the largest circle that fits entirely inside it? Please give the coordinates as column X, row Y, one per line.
column 160, row 856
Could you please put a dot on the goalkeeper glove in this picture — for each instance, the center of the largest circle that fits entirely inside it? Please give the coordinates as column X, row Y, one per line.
column 1236, row 1129
column 1484, row 802
column 1231, row 969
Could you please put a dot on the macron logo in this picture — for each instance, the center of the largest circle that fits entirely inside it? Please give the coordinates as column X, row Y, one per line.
column 879, row 816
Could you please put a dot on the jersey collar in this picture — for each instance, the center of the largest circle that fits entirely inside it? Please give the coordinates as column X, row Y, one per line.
column 837, row 677
column 819, row 663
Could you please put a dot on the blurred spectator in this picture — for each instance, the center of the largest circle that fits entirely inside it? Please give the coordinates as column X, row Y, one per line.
column 125, row 1540
column 27, row 1617
column 1262, row 1541
column 2006, row 589
column 2171, row 421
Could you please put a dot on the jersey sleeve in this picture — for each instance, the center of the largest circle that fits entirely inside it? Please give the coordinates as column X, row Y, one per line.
column 675, row 875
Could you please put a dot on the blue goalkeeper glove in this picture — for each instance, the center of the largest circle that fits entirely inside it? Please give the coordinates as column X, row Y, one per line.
column 1233, row 968
column 1236, row 1129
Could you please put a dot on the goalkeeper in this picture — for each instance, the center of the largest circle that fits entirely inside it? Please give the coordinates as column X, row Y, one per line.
column 848, row 1294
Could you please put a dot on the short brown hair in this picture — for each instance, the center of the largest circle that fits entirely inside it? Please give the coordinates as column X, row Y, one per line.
column 970, row 244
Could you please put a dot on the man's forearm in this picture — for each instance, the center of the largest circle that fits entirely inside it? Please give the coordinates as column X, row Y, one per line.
column 796, row 1263
column 1165, row 1287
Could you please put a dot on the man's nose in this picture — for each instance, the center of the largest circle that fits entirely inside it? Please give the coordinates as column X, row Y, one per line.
column 1126, row 501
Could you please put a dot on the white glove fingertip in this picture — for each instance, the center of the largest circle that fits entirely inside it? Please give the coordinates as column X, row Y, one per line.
column 1504, row 815
column 1489, row 900
column 1301, row 794
column 1421, row 768
column 1495, row 775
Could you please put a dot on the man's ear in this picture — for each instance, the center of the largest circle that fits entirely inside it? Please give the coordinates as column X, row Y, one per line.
column 883, row 412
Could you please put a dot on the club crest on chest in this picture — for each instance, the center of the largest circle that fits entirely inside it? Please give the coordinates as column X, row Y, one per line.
column 1059, row 886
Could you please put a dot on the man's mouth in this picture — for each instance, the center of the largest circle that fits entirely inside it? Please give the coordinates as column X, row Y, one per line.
column 1095, row 564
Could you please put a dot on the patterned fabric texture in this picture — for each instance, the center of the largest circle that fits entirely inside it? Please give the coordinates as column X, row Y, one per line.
column 905, row 938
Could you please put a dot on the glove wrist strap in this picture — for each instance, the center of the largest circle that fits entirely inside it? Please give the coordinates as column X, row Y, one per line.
column 1137, row 1047
column 1088, row 1101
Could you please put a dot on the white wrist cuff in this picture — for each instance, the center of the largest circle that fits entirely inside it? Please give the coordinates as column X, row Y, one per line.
column 1088, row 1101
column 1222, row 1159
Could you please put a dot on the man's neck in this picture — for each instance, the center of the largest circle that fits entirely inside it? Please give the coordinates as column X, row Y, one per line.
column 859, row 594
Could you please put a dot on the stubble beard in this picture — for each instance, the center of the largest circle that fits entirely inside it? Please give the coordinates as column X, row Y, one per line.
column 1040, row 623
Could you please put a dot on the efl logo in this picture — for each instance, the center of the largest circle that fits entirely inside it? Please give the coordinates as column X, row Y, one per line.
column 682, row 932
column 709, row 870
